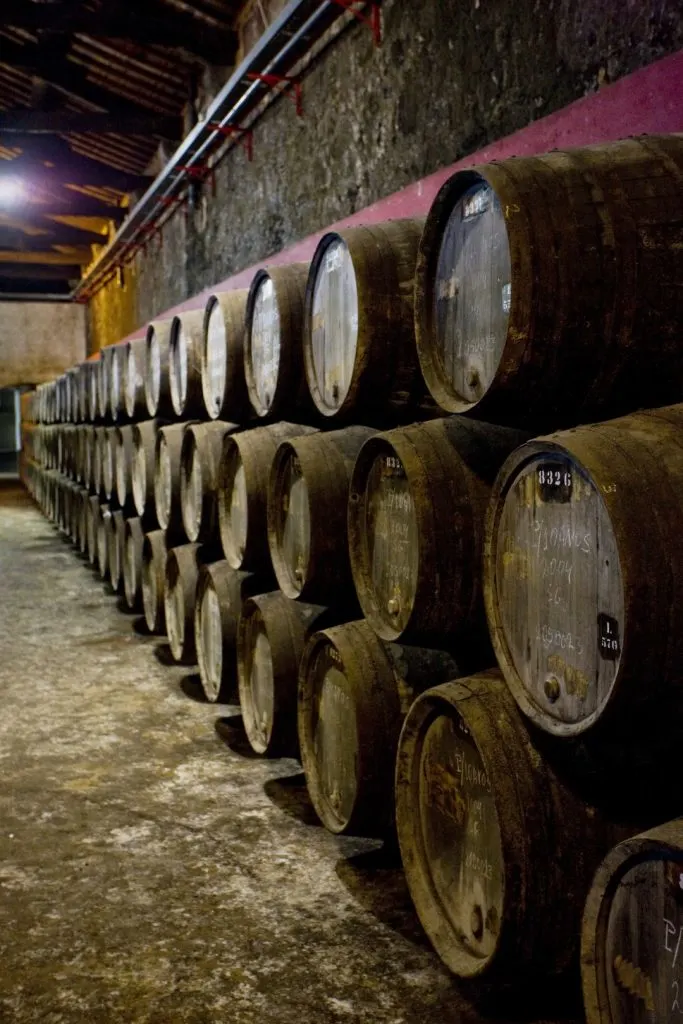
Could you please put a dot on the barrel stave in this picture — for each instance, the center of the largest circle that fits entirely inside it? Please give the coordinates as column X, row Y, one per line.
column 618, row 588
column 354, row 692
column 308, row 493
column 243, row 490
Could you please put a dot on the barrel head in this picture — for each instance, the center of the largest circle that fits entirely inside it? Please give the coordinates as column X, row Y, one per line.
column 556, row 598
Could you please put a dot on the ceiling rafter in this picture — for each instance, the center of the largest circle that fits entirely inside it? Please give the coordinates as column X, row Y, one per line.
column 213, row 41
column 24, row 120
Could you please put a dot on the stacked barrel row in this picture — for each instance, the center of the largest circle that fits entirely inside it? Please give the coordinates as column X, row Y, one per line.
column 303, row 521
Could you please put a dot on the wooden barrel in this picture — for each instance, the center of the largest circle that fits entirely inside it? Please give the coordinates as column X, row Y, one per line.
column 169, row 443
column 109, row 462
column 185, row 364
column 79, row 458
column 103, row 383
column 498, row 852
column 157, row 378
column 417, row 508
column 180, row 589
column 273, row 354
column 61, row 448
column 69, row 509
column 92, row 524
column 132, row 563
column 99, row 460
column 243, row 492
column 271, row 636
column 93, row 375
column 154, row 553
column 135, row 361
column 117, row 383
column 72, row 410
column 546, row 285
column 83, row 521
column 124, row 454
column 144, row 461
column 103, row 540
column 223, row 386
column 83, row 384
column 221, row 591
column 200, row 457
column 308, row 493
column 359, row 340
column 116, row 552
column 354, row 693
column 584, row 576
column 632, row 929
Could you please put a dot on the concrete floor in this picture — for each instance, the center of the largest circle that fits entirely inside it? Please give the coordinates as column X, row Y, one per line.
column 150, row 870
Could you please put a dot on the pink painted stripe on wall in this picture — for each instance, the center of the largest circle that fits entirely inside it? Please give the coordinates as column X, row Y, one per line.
column 645, row 102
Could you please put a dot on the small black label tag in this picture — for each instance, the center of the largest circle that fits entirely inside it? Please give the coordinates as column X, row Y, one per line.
column 554, row 482
column 608, row 637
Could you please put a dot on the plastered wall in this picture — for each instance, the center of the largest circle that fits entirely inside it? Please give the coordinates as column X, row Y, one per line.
column 39, row 340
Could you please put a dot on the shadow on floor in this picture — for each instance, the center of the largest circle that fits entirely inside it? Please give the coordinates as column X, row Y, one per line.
column 122, row 604
column 13, row 494
column 291, row 796
column 230, row 728
column 162, row 652
column 376, row 881
column 192, row 687
column 140, row 626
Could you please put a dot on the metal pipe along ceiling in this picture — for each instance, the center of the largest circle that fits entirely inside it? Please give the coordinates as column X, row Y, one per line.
column 282, row 45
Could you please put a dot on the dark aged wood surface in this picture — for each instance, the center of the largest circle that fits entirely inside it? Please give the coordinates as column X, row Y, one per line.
column 478, row 808
column 590, row 325
column 584, row 574
column 157, row 380
column 169, row 442
column 134, row 379
column 632, row 930
column 144, row 464
column 132, row 565
column 359, row 340
column 223, row 385
column 187, row 335
column 273, row 356
column 180, row 587
column 354, row 692
column 307, row 498
column 417, row 503
column 200, row 456
column 123, row 464
column 221, row 592
column 153, row 575
column 243, row 491
column 271, row 636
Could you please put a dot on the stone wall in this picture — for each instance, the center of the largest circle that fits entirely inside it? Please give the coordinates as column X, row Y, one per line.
column 39, row 341
column 450, row 77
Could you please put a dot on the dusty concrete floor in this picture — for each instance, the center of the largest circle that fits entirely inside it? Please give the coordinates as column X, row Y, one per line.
column 149, row 870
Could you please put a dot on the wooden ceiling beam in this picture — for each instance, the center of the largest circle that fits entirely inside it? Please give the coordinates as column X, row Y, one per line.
column 65, row 271
column 49, row 159
column 11, row 234
column 157, row 25
column 39, row 122
column 78, row 257
column 69, row 203
column 64, row 75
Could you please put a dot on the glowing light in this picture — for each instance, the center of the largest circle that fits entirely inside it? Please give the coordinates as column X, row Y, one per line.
column 11, row 191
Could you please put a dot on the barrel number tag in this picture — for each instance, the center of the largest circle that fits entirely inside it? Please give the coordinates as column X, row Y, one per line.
column 608, row 637
column 554, row 482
